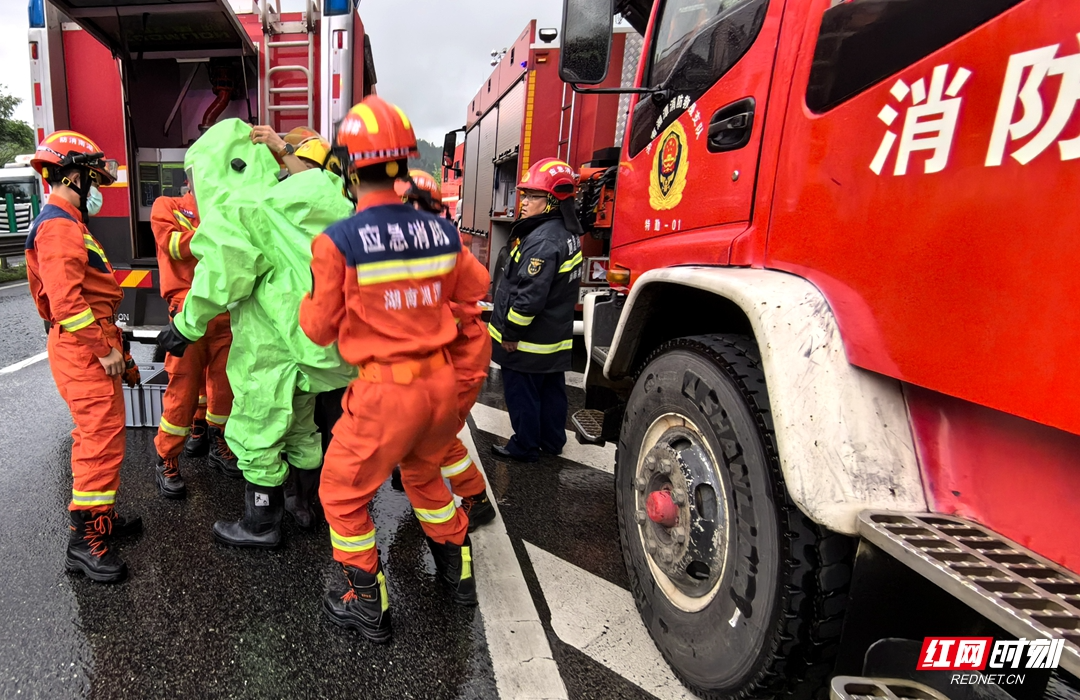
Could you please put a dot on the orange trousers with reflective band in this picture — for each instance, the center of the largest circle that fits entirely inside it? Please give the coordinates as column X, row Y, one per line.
column 203, row 363
column 96, row 402
column 385, row 424
column 471, row 356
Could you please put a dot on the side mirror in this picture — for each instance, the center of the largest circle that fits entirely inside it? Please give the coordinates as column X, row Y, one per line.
column 449, row 145
column 586, row 41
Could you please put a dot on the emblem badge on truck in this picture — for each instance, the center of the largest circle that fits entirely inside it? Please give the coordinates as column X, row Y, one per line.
column 669, row 169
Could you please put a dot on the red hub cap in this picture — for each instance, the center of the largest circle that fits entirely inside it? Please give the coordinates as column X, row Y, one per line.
column 661, row 509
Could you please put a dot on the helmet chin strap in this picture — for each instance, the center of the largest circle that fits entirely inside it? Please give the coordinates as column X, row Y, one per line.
column 82, row 189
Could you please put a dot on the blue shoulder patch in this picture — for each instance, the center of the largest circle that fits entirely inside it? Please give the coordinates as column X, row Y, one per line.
column 48, row 212
column 393, row 232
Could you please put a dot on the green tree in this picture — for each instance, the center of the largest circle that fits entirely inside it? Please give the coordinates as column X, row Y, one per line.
column 430, row 160
column 16, row 137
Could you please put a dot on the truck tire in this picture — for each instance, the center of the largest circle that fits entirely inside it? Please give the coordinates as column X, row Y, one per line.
column 744, row 595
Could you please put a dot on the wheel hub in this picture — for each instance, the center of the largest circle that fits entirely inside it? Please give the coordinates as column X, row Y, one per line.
column 680, row 512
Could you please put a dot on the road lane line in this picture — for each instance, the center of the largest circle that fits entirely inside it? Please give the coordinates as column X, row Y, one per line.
column 574, row 379
column 520, row 654
column 600, row 619
column 24, row 363
column 497, row 422
column 12, row 286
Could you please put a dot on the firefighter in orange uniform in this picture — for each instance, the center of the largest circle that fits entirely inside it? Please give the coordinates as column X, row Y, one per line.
column 470, row 354
column 174, row 221
column 381, row 282
column 73, row 287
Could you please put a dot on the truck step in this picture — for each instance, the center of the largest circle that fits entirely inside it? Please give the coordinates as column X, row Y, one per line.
column 861, row 688
column 589, row 426
column 599, row 356
column 1020, row 591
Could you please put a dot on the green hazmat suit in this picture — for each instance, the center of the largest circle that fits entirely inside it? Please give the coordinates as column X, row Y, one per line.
column 254, row 250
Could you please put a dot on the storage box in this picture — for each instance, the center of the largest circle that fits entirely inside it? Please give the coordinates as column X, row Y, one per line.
column 143, row 404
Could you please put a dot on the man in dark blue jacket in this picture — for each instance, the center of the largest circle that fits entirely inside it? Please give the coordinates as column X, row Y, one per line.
column 532, row 324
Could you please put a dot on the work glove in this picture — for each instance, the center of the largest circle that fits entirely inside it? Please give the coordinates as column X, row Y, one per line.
column 172, row 340
column 131, row 375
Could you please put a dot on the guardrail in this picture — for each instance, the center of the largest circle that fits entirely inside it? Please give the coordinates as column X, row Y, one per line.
column 12, row 245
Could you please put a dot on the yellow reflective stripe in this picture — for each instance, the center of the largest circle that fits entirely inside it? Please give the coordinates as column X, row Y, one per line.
column 174, row 245
column 457, row 467
column 215, row 418
column 395, row 270
column 93, row 498
column 538, row 349
column 91, row 244
column 183, row 220
column 515, row 317
column 436, row 515
column 571, row 263
column 382, row 591
column 516, row 255
column 494, row 333
column 202, row 400
column 466, row 563
column 357, row 543
column 167, row 427
column 78, row 321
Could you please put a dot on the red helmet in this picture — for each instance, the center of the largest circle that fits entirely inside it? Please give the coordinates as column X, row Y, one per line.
column 61, row 149
column 375, row 131
column 549, row 175
column 421, row 188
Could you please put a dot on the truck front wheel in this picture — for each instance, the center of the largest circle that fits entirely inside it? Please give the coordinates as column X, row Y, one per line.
column 742, row 593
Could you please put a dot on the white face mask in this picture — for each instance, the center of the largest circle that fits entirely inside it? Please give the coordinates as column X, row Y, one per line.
column 93, row 201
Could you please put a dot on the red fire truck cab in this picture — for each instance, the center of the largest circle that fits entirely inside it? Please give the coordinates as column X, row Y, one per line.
column 145, row 80
column 838, row 364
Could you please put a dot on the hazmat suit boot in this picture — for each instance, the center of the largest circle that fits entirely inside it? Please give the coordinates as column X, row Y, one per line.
column 87, row 550
column 479, row 509
column 359, row 602
column 454, row 564
column 301, row 496
column 260, row 527
column 221, row 457
column 124, row 525
column 167, row 475
column 198, row 442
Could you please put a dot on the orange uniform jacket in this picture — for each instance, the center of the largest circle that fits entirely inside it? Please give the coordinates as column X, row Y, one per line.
column 70, row 278
column 381, row 280
column 173, row 221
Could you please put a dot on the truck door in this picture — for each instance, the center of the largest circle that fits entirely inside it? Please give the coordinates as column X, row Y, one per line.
column 693, row 147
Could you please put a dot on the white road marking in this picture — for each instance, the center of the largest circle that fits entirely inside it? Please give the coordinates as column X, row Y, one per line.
column 576, row 379
column 12, row 286
column 24, row 363
column 497, row 422
column 599, row 619
column 520, row 653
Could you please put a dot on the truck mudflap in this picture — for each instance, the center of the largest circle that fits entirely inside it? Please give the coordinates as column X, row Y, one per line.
column 860, row 688
column 1025, row 594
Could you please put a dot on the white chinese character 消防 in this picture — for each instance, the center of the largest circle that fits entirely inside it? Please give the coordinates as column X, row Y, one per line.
column 929, row 123
column 1023, row 78
column 438, row 235
column 419, row 234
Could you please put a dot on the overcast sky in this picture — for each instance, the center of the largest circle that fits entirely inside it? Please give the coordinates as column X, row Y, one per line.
column 431, row 56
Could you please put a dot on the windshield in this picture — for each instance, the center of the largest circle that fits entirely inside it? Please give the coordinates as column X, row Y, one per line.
column 21, row 189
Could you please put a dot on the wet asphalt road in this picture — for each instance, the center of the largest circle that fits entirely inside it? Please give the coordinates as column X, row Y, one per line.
column 199, row 620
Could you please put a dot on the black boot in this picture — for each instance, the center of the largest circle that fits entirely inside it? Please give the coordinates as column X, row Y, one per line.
column 302, row 496
column 454, row 564
column 221, row 457
column 395, row 480
column 261, row 525
column 198, row 443
column 167, row 474
column 360, row 603
column 87, row 551
column 479, row 510
column 124, row 525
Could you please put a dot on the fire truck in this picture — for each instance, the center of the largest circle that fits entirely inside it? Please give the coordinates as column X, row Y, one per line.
column 145, row 79
column 836, row 358
column 525, row 112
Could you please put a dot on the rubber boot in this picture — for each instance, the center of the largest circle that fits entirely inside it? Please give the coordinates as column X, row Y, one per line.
column 302, row 496
column 221, row 457
column 167, row 475
column 479, row 509
column 454, row 564
column 359, row 602
column 198, row 443
column 261, row 525
column 124, row 525
column 87, row 551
